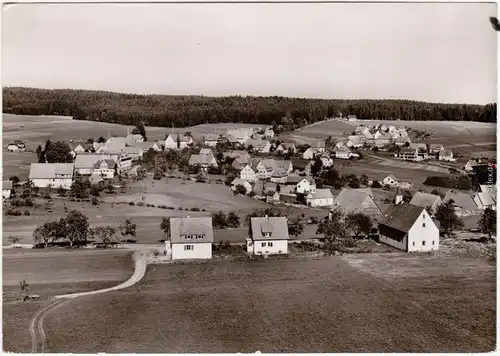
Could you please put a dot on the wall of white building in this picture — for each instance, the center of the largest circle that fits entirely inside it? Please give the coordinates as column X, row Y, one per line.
column 320, row 202
column 197, row 251
column 267, row 247
column 54, row 183
column 423, row 235
column 6, row 193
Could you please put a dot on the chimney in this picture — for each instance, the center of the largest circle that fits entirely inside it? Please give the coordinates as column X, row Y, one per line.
column 399, row 197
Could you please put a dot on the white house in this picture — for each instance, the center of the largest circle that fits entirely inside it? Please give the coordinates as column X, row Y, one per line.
column 269, row 236
column 16, row 145
column 469, row 166
column 279, row 175
column 244, row 183
column 285, row 148
column 6, row 189
column 326, row 161
column 308, row 154
column 53, row 175
column 320, row 146
column 204, row 160
column 355, row 142
column 248, row 174
column 342, row 151
column 446, row 155
column 390, row 180
column 190, row 238
column 85, row 164
column 239, row 135
column 134, row 138
column 172, row 144
column 409, row 228
column 321, row 197
column 269, row 133
column 105, row 168
column 305, row 186
column 485, row 200
column 211, row 140
column 408, row 154
column 148, row 145
column 435, row 148
column 262, row 146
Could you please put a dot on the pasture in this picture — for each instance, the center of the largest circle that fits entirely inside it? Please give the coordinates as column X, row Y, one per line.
column 336, row 304
column 52, row 273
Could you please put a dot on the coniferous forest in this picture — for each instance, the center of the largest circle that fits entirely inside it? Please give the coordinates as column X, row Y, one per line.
column 182, row 111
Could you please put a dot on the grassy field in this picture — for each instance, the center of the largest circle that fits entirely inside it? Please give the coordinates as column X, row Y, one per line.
column 328, row 305
column 52, row 273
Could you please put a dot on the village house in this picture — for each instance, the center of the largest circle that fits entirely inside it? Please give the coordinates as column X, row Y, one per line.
column 463, row 203
column 356, row 142
column 286, row 148
column 134, row 152
column 279, row 175
column 409, row 228
column 85, row 163
column 446, row 155
column 269, row 236
column 320, row 146
column 6, row 189
column 320, row 198
column 240, row 135
column 390, row 180
column 239, row 163
column 248, row 173
column 264, row 168
column 203, row 160
column 148, row 145
column 421, row 150
column 308, row 154
column 243, row 155
column 16, row 146
column 242, row 182
column 210, row 140
column 490, row 189
column 261, row 146
column 303, row 185
column 434, row 148
column 273, row 198
column 408, row 154
column 366, row 191
column 426, row 200
column 55, row 175
column 80, row 147
column 134, row 138
column 307, row 168
column 105, row 168
column 367, row 134
column 262, row 188
column 485, row 200
column 342, row 151
column 356, row 201
column 269, row 133
column 469, row 166
column 190, row 238
column 326, row 161
column 177, row 142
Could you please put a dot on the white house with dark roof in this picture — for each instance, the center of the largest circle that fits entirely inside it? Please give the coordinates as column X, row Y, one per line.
column 446, row 155
column 210, row 140
column 269, row 236
column 53, row 175
column 286, row 148
column 106, row 168
column 203, row 160
column 320, row 198
column 171, row 142
column 248, row 174
column 435, row 148
column 190, row 238
column 242, row 182
column 16, row 145
column 303, row 185
column 261, row 146
column 391, row 181
column 409, row 228
column 6, row 189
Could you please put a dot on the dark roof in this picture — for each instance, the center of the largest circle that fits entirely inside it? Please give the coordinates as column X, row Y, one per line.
column 401, row 217
column 180, row 227
column 276, row 226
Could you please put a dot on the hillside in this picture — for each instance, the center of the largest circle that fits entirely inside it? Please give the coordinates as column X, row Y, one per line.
column 182, row 111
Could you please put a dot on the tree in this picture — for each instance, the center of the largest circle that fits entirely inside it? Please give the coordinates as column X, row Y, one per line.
column 77, row 227
column 233, row 220
column 439, row 193
column 78, row 190
column 158, row 174
column 407, row 196
column 104, row 234
column 24, row 288
column 141, row 130
column 165, row 226
column 95, row 191
column 334, row 230
column 359, row 223
column 58, row 152
column 240, row 189
column 14, row 239
column 488, row 222
column 331, row 177
column 219, row 220
column 178, row 141
column 111, row 188
column 448, row 219
column 301, row 198
column 316, row 167
column 101, row 140
column 295, row 227
column 363, row 179
column 128, row 228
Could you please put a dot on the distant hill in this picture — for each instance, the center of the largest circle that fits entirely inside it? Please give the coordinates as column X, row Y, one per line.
column 182, row 111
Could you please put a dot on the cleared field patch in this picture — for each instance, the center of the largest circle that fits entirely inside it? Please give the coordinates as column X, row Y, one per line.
column 17, row 164
column 51, row 273
column 320, row 131
column 410, row 165
column 271, row 306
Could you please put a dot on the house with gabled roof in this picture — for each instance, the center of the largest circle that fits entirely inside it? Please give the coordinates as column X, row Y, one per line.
column 446, row 155
column 426, row 200
column 309, row 153
column 320, row 146
column 261, row 146
column 16, row 146
column 435, row 148
column 105, row 168
column 242, row 182
column 269, row 236
column 302, row 185
column 6, row 189
column 391, row 181
column 177, row 142
column 80, row 147
column 203, row 160
column 485, row 200
column 409, row 228
column 243, row 155
column 342, row 151
column 408, row 154
column 320, row 198
column 134, row 138
column 285, row 148
column 148, row 145
column 190, row 238
column 248, row 173
column 354, row 201
column 85, row 163
column 356, row 142
column 262, row 188
column 469, row 166
column 463, row 203
column 239, row 135
column 211, row 140
column 54, row 175
column 366, row 191
column 279, row 175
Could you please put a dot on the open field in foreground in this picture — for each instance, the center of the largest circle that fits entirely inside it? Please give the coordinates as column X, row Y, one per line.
column 51, row 273
column 328, row 305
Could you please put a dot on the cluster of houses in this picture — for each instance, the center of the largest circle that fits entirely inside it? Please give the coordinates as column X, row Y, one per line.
column 377, row 136
column 418, row 152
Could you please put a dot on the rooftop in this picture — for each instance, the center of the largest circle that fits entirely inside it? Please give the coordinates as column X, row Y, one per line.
column 183, row 229
column 276, row 226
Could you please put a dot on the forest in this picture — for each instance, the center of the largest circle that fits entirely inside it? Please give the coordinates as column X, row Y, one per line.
column 184, row 111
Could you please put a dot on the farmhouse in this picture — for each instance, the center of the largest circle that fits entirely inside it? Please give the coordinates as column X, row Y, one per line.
column 367, row 134
column 134, row 138
column 261, row 146
column 134, row 152
column 105, row 168
column 303, row 185
column 286, row 148
column 279, row 175
column 320, row 197
column 261, row 188
column 6, row 189
column 409, row 228
column 269, row 236
column 435, row 148
column 191, row 238
column 16, row 145
column 366, row 191
column 354, row 201
column 462, row 202
column 177, row 142
column 264, row 168
column 248, row 174
column 242, row 182
column 342, row 151
column 425, row 200
column 148, row 145
column 54, row 175
column 390, row 180
column 80, row 147
column 240, row 135
column 408, row 154
column 320, row 146
column 85, row 163
column 203, row 160
column 210, row 140
column 269, row 133
column 485, row 200
column 356, row 142
column 308, row 154
column 446, row 155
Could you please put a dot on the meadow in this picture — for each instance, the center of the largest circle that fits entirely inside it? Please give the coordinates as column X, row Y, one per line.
column 336, row 304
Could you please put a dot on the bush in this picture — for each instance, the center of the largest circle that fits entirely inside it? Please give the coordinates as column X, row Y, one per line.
column 94, row 201
column 140, row 204
column 131, row 203
column 180, row 208
column 162, row 206
column 170, row 208
column 376, row 184
column 195, row 209
column 13, row 212
column 203, row 210
column 27, row 213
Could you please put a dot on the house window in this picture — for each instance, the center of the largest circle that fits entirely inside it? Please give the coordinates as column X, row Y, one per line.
column 188, row 247
column 423, row 243
column 263, row 244
column 267, row 234
column 270, row 244
column 423, row 216
column 432, row 243
column 413, row 243
column 423, row 224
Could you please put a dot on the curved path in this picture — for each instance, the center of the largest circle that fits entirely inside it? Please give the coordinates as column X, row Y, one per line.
column 38, row 339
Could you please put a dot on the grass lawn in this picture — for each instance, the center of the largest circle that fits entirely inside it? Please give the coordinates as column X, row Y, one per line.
column 51, row 273
column 327, row 305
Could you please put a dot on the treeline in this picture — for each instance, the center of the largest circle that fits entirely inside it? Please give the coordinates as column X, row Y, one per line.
column 183, row 111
